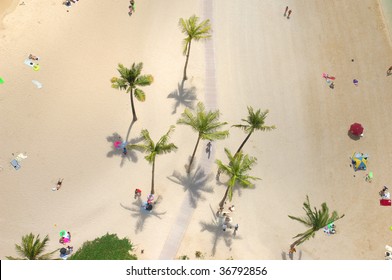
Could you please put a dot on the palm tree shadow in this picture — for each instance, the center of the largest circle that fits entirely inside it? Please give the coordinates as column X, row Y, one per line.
column 183, row 96
column 131, row 155
column 141, row 214
column 195, row 183
column 215, row 227
column 291, row 255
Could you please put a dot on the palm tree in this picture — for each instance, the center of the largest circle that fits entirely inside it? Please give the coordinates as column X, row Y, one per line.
column 130, row 80
column 32, row 248
column 194, row 31
column 161, row 147
column 205, row 123
column 314, row 220
column 255, row 121
column 237, row 169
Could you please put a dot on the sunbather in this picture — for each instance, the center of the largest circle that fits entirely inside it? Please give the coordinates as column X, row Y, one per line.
column 58, row 186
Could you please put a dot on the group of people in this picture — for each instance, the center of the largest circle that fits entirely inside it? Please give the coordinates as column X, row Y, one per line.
column 227, row 222
column 146, row 205
column 330, row 229
column 131, row 7
column 65, row 252
column 65, row 238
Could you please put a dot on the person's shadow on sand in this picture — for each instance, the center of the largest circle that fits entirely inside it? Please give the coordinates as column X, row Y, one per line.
column 291, row 255
column 215, row 227
column 141, row 214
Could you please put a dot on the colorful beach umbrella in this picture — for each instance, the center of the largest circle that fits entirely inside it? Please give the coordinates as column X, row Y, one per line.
column 63, row 233
column 356, row 129
column 359, row 161
column 1, row 80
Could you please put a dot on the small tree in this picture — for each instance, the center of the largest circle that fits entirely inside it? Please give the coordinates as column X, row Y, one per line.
column 206, row 124
column 161, row 147
column 237, row 170
column 131, row 80
column 314, row 220
column 106, row 247
column 254, row 121
column 193, row 31
column 32, row 248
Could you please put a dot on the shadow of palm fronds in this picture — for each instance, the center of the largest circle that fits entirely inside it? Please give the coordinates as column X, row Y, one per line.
column 183, row 96
column 195, row 183
column 141, row 214
column 215, row 228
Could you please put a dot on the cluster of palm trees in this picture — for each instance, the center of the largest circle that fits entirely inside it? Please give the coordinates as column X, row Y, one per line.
column 208, row 127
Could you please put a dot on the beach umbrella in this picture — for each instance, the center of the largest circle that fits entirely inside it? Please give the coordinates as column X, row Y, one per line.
column 359, row 161
column 356, row 129
column 63, row 233
column 63, row 251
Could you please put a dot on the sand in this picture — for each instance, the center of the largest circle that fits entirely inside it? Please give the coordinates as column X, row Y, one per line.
column 256, row 57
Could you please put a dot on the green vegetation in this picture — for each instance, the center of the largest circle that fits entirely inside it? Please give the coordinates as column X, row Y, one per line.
column 254, row 121
column 32, row 248
column 314, row 220
column 193, row 31
column 152, row 149
column 107, row 247
column 237, row 169
column 130, row 80
column 206, row 124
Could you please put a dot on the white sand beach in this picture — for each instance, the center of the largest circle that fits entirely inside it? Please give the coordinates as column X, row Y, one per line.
column 257, row 58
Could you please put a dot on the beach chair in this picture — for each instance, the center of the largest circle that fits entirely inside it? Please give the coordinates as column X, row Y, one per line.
column 15, row 164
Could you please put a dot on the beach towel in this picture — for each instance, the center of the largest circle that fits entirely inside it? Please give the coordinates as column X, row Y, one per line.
column 29, row 62
column 15, row 164
column 37, row 84
column 20, row 157
column 385, row 202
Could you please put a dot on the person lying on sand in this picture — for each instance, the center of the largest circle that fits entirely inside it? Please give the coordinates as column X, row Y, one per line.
column 59, row 183
column 33, row 57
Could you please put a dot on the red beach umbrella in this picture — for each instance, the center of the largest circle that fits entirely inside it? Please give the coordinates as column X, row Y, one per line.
column 356, row 129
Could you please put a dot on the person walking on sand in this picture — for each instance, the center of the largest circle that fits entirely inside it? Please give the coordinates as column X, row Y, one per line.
column 235, row 230
column 288, row 15
column 285, row 11
column 389, row 72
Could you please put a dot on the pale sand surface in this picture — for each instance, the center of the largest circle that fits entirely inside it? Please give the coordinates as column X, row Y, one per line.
column 257, row 58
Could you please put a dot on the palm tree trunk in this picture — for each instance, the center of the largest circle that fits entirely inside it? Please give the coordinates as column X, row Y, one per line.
column 133, row 107
column 243, row 143
column 152, row 179
column 186, row 61
column 193, row 155
column 224, row 198
column 296, row 242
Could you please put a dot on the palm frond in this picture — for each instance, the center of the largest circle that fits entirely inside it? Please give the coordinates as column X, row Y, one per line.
column 144, row 80
column 139, row 94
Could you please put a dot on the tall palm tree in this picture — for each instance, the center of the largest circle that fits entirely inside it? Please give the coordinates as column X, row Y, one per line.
column 254, row 121
column 161, row 147
column 130, row 80
column 32, row 248
column 314, row 220
column 193, row 31
column 206, row 124
column 237, row 169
